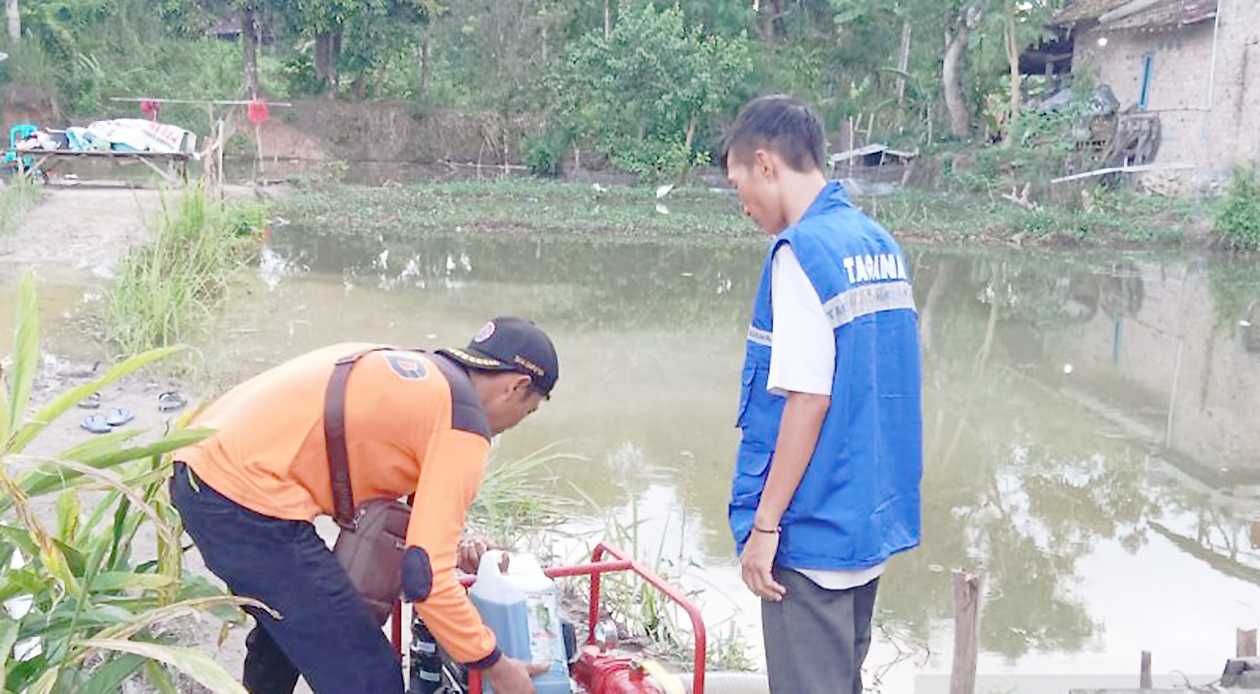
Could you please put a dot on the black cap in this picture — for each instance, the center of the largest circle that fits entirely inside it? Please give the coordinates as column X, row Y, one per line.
column 512, row 344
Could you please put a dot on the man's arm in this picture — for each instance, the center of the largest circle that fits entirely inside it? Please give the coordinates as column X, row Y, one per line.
column 449, row 480
column 803, row 417
column 802, row 366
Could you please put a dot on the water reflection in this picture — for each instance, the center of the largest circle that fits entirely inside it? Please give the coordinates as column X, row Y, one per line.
column 1087, row 418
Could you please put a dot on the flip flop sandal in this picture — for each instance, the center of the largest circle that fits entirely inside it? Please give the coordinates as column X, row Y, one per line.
column 91, row 402
column 119, row 416
column 96, row 424
column 171, row 401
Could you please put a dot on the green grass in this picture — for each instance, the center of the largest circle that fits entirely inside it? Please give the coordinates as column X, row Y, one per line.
column 525, row 206
column 172, row 285
column 18, row 196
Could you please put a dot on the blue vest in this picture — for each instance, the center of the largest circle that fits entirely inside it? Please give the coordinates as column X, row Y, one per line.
column 858, row 502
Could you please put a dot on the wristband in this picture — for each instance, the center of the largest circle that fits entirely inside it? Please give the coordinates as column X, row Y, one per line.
column 768, row 532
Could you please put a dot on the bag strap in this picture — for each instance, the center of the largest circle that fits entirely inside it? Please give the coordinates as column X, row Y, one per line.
column 335, row 437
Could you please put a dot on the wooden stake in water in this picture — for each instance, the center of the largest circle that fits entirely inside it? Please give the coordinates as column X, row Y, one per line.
column 1246, row 643
column 962, row 679
column 1145, row 678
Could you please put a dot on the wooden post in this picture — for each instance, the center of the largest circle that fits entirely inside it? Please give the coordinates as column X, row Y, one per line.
column 1246, row 643
column 1145, row 677
column 962, row 679
column 852, row 143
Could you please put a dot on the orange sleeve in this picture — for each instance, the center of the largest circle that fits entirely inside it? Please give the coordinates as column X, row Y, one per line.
column 449, row 479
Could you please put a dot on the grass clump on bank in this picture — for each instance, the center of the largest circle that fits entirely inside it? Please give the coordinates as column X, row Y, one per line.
column 172, row 284
column 1238, row 221
column 17, row 197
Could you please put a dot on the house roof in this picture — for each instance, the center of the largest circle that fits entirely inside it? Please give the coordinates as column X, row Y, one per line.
column 1168, row 14
column 1138, row 14
column 1083, row 10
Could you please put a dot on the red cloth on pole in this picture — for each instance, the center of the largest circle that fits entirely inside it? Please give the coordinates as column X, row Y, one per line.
column 257, row 112
column 150, row 108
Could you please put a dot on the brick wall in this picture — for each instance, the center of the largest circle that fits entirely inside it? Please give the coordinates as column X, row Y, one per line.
column 1210, row 124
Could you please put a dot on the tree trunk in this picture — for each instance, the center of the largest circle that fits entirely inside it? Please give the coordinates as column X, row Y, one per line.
column 690, row 140
column 607, row 20
column 426, row 65
column 321, row 58
column 249, row 48
column 951, row 71
column 903, row 61
column 15, row 21
column 1012, row 56
column 334, row 56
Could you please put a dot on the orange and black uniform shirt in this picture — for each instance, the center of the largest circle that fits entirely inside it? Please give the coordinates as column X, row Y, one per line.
column 413, row 424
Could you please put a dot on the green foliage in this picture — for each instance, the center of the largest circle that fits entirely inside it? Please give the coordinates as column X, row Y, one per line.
column 170, row 286
column 75, row 590
column 1238, row 222
column 518, row 205
column 677, row 75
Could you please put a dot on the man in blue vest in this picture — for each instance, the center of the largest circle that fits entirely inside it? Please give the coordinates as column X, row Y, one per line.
column 826, row 484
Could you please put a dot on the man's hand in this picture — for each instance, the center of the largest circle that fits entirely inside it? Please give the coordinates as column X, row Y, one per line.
column 756, row 563
column 469, row 554
column 511, row 676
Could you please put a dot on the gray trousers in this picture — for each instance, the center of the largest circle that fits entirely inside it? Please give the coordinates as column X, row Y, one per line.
column 816, row 639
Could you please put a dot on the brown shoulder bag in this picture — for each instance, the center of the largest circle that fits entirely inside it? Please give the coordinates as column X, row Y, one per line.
column 373, row 535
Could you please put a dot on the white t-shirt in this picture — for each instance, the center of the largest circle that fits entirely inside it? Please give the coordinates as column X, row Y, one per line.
column 802, row 360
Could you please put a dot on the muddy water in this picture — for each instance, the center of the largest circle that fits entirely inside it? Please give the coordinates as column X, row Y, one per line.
column 1091, row 439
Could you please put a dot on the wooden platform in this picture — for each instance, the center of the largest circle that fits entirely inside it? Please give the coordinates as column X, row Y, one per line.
column 176, row 162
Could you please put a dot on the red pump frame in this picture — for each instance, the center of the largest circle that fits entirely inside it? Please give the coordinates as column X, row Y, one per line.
column 597, row 567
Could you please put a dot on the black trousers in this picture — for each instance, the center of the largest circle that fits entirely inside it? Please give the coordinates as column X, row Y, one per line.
column 325, row 633
column 816, row 639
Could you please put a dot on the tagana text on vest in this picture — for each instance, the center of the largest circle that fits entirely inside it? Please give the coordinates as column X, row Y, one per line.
column 858, row 502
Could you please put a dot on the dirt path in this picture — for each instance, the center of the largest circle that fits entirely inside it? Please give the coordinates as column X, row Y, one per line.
column 73, row 230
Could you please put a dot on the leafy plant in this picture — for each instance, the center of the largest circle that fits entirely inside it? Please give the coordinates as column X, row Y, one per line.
column 1238, row 222
column 82, row 614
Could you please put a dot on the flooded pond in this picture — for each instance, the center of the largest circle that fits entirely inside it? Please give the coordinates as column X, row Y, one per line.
column 1091, row 439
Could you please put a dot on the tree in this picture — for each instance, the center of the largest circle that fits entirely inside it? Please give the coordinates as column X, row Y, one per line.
column 956, row 41
column 14, row 15
column 641, row 94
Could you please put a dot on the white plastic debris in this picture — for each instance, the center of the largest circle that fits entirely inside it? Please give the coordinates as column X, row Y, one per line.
column 664, row 190
column 1067, row 369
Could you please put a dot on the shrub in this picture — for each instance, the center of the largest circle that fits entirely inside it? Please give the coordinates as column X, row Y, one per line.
column 1238, row 221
